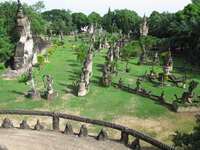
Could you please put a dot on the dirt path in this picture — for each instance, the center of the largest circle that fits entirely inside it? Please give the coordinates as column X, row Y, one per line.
column 16, row 139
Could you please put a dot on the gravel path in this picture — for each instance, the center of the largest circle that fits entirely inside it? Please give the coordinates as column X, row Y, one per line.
column 18, row 139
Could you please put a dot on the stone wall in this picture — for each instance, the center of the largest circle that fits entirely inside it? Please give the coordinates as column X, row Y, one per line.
column 125, row 132
column 181, row 109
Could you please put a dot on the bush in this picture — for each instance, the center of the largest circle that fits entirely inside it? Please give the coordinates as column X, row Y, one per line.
column 24, row 77
column 2, row 66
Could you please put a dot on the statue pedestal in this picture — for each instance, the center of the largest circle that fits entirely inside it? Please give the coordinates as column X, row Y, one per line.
column 50, row 96
column 33, row 94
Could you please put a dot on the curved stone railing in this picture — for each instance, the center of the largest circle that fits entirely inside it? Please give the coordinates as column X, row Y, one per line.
column 125, row 132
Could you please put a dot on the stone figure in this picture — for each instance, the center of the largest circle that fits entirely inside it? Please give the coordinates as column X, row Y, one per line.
column 83, row 131
column 38, row 126
column 7, row 123
column 48, row 84
column 68, row 129
column 168, row 68
column 24, row 52
column 83, row 84
column 162, row 97
column 32, row 93
column 144, row 29
column 24, row 125
column 138, row 84
column 156, row 59
column 102, row 135
column 136, row 144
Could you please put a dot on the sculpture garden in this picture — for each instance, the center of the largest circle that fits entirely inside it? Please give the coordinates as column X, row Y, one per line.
column 93, row 75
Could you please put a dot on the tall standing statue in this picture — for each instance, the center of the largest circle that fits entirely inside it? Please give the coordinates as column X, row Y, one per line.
column 32, row 93
column 48, row 84
column 168, row 68
column 83, row 83
column 25, row 55
column 144, row 30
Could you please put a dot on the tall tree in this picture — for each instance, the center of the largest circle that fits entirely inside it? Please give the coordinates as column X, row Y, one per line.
column 190, row 141
column 80, row 20
column 127, row 21
column 95, row 18
column 59, row 20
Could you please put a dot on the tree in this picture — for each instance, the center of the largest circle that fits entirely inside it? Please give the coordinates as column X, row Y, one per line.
column 38, row 7
column 95, row 19
column 159, row 24
column 59, row 21
column 127, row 21
column 80, row 20
column 107, row 22
column 81, row 52
column 5, row 44
column 188, row 141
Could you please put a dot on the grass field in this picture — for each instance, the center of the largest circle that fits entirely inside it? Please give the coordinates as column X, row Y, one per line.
column 108, row 104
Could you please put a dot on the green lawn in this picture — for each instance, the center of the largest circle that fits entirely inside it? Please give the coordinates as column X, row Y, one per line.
column 108, row 104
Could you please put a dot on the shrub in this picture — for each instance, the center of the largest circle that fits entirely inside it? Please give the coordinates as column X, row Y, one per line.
column 24, row 77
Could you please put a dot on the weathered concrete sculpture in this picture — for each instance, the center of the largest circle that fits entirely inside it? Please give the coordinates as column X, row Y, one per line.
column 32, row 93
column 138, row 85
column 27, row 48
column 24, row 125
column 168, row 67
column 83, row 85
column 83, row 131
column 107, row 76
column 110, row 55
column 68, row 129
column 7, row 123
column 25, row 55
column 102, row 135
column 136, row 144
column 144, row 29
column 189, row 96
column 38, row 126
column 155, row 59
column 48, row 84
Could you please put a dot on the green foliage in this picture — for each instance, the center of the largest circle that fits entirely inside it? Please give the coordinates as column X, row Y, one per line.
column 148, row 42
column 39, row 6
column 52, row 49
column 24, row 77
column 134, row 48
column 8, row 35
column 159, row 24
column 2, row 66
column 127, row 21
column 121, row 20
column 107, row 22
column 41, row 60
column 38, row 24
column 112, row 38
column 59, row 20
column 188, row 141
column 59, row 43
column 80, row 20
column 5, row 44
column 81, row 52
column 131, row 49
column 95, row 19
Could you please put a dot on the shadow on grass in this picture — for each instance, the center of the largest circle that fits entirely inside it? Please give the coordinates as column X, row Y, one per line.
column 73, row 90
column 73, row 65
column 18, row 93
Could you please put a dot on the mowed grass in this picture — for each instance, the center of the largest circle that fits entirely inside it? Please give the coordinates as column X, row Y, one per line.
column 109, row 104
